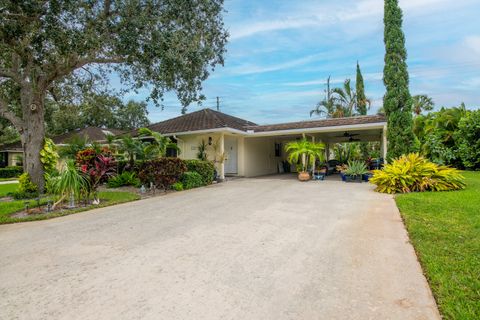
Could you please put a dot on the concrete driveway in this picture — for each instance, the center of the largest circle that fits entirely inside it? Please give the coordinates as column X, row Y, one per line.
column 267, row 248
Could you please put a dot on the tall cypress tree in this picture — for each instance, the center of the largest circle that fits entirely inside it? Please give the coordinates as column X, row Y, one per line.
column 397, row 101
column 361, row 106
column 360, row 89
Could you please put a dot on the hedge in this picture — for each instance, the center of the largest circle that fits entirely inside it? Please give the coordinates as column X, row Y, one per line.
column 191, row 180
column 124, row 165
column 11, row 172
column 162, row 172
column 205, row 169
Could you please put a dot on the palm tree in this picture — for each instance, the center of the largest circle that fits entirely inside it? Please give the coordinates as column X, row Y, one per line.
column 346, row 99
column 327, row 105
column 132, row 148
column 304, row 151
column 159, row 144
column 422, row 103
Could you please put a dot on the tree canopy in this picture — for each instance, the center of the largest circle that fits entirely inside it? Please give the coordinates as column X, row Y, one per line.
column 164, row 45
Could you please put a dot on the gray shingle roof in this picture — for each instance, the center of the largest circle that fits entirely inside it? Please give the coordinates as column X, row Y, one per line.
column 204, row 119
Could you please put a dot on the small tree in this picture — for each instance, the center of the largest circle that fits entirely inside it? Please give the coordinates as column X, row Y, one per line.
column 397, row 101
column 362, row 103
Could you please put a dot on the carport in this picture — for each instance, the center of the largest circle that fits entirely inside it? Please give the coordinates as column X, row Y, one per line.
column 263, row 146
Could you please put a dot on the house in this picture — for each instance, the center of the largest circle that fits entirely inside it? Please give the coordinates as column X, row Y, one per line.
column 12, row 154
column 253, row 150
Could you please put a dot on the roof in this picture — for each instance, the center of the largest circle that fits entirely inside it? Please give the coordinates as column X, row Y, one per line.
column 15, row 146
column 331, row 122
column 208, row 119
column 91, row 133
column 204, row 119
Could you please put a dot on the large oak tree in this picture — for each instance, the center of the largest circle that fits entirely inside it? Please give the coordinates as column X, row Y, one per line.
column 161, row 44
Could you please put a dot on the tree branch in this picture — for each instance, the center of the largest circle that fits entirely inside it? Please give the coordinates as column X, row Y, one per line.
column 10, row 116
column 74, row 63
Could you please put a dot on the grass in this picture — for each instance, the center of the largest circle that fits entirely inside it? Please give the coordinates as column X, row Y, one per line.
column 6, row 188
column 444, row 228
column 108, row 198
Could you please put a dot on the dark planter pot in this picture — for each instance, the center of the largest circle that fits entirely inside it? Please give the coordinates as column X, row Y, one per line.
column 366, row 176
column 319, row 176
column 351, row 178
column 343, row 176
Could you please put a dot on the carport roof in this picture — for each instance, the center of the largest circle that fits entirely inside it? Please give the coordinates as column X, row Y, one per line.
column 321, row 123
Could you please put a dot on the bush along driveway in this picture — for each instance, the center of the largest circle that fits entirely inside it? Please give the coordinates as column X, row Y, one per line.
column 262, row 248
column 444, row 228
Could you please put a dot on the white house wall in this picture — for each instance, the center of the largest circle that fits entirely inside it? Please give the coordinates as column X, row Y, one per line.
column 259, row 157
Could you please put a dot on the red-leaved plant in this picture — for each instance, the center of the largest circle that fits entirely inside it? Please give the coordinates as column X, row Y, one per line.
column 98, row 165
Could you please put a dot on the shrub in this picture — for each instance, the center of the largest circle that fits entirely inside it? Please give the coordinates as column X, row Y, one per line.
column 124, row 179
column 177, row 186
column 10, row 172
column 162, row 172
column 191, row 180
column 49, row 156
column 467, row 139
column 124, row 166
column 97, row 163
column 412, row 172
column 26, row 185
column 17, row 195
column 206, row 169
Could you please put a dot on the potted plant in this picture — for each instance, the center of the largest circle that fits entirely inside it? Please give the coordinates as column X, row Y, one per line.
column 304, row 153
column 355, row 171
column 366, row 176
column 320, row 173
column 342, row 168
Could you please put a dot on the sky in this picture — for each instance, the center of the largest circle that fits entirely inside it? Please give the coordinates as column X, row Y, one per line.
column 280, row 54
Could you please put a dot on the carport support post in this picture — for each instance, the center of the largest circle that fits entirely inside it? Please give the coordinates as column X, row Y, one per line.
column 384, row 143
column 221, row 168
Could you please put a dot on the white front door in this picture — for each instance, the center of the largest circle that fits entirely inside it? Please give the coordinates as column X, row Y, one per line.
column 231, row 155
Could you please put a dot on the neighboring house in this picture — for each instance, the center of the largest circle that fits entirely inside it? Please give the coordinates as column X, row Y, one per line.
column 12, row 154
column 253, row 150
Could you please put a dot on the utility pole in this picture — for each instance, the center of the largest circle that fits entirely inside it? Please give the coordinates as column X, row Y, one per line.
column 218, row 103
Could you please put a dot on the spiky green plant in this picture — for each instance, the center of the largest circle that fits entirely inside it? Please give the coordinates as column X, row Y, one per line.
column 412, row 172
column 70, row 183
column 356, row 168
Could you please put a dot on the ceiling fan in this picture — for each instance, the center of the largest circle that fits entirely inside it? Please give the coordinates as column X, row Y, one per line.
column 347, row 135
column 352, row 139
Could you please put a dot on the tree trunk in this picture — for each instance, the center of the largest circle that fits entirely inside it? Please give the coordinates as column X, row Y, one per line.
column 33, row 135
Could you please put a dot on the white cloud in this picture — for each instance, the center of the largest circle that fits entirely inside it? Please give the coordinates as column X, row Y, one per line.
column 367, row 77
column 339, row 15
column 254, row 69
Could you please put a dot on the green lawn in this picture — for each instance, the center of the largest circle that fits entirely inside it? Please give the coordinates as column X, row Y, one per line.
column 6, row 188
column 108, row 198
column 444, row 228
